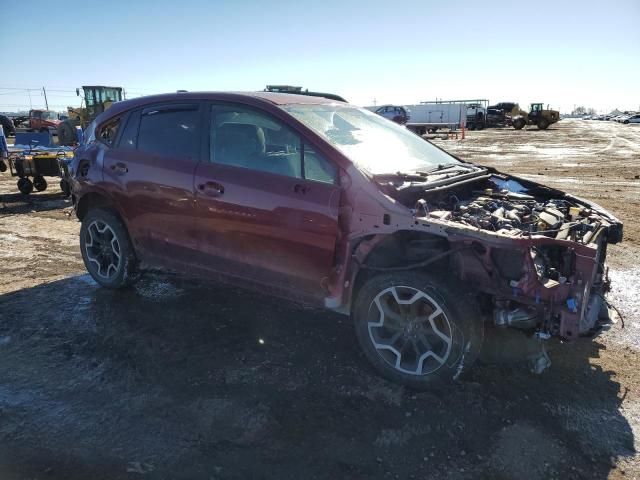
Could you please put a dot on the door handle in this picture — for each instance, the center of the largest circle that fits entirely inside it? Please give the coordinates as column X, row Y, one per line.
column 120, row 168
column 212, row 189
column 299, row 188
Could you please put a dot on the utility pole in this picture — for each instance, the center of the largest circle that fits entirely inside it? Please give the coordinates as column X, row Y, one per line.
column 46, row 102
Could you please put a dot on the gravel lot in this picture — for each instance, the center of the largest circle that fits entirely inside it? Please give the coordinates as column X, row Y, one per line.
column 179, row 379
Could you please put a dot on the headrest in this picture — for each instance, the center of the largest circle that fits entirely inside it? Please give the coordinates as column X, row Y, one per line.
column 251, row 137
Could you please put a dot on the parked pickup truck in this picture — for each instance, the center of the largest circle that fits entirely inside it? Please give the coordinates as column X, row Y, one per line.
column 43, row 121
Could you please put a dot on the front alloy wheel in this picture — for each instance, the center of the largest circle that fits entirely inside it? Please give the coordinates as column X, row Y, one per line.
column 416, row 330
column 409, row 330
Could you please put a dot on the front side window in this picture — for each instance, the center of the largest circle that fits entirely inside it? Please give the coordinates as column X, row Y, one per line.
column 170, row 131
column 246, row 138
column 49, row 115
column 373, row 143
column 249, row 139
column 317, row 168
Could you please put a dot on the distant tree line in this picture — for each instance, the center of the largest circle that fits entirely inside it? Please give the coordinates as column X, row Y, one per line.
column 583, row 111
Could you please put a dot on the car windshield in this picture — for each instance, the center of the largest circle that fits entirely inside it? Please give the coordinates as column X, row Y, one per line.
column 372, row 142
column 49, row 115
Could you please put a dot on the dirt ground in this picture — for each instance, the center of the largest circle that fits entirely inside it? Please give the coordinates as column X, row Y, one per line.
column 176, row 379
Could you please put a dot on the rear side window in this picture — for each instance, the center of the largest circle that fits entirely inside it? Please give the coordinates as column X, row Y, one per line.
column 170, row 131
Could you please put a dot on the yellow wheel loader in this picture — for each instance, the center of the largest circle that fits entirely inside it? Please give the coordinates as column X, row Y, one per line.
column 96, row 99
column 536, row 116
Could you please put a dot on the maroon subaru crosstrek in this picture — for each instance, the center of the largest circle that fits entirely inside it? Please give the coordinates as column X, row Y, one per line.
column 329, row 204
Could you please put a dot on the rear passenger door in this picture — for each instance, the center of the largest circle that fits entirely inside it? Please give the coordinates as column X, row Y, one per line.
column 150, row 169
column 267, row 203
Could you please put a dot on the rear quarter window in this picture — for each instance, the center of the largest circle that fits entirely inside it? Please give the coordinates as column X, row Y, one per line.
column 107, row 133
column 129, row 137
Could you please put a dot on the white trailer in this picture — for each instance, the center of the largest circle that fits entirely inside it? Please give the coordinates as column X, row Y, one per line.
column 431, row 116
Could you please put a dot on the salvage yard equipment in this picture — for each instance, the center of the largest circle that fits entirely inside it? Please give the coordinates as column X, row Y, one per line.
column 96, row 100
column 537, row 115
column 39, row 162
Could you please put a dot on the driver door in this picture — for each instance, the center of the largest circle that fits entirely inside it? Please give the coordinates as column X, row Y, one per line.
column 266, row 204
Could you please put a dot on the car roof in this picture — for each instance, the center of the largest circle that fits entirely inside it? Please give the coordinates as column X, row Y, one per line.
column 254, row 98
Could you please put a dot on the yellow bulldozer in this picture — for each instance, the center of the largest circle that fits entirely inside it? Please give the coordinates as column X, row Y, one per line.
column 95, row 100
column 537, row 115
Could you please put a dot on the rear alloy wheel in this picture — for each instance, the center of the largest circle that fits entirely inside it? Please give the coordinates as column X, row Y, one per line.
column 39, row 183
column 413, row 332
column 25, row 186
column 106, row 249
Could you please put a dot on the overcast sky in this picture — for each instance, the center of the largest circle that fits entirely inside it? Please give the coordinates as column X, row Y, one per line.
column 563, row 53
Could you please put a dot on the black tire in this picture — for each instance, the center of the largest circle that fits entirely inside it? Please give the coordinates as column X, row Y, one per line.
column 66, row 133
column 39, row 183
column 543, row 124
column 25, row 186
column 459, row 320
column 113, row 271
column 3, row 166
column 626, row 122
column 518, row 123
column 65, row 187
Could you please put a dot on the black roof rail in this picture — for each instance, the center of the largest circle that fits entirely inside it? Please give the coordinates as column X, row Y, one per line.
column 299, row 91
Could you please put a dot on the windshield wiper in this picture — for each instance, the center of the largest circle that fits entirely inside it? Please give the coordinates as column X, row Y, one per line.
column 422, row 177
column 446, row 166
column 414, row 176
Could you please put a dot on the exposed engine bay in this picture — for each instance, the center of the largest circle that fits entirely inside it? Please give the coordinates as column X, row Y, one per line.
column 493, row 205
column 536, row 252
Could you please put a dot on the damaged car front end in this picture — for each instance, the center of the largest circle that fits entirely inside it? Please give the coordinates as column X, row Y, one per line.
column 538, row 252
column 535, row 256
column 506, row 250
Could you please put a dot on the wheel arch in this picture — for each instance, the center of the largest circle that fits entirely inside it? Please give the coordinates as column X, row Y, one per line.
column 377, row 253
column 91, row 200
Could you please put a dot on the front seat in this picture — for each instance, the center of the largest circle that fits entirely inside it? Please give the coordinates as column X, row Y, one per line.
column 241, row 145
